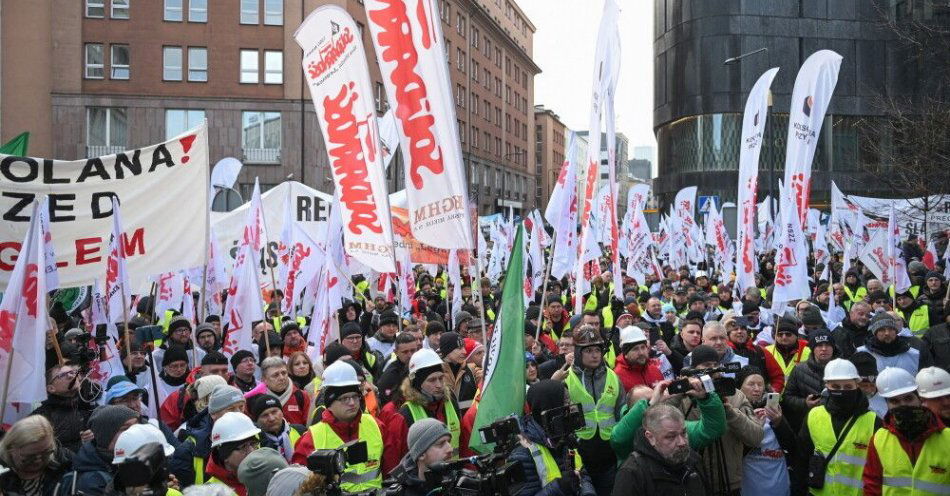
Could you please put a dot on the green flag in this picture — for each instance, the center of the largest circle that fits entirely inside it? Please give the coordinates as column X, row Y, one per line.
column 503, row 389
column 16, row 146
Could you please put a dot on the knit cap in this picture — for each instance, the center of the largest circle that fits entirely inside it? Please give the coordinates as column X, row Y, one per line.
column 287, row 481
column 205, row 385
column 259, row 403
column 258, row 468
column 239, row 357
column 881, row 321
column 423, row 434
column 174, row 354
column 223, row 396
column 106, row 421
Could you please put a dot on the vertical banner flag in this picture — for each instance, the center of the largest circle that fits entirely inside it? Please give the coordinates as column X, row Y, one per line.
column 244, row 305
column 410, row 48
column 811, row 95
column 561, row 212
column 52, row 275
column 683, row 223
column 117, row 277
column 334, row 64
column 791, row 256
column 895, row 253
column 753, row 127
column 24, row 320
column 503, row 387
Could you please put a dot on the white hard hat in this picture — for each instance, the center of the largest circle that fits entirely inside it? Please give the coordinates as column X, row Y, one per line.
column 700, row 273
column 894, row 381
column 840, row 369
column 422, row 359
column 631, row 334
column 340, row 374
column 933, row 382
column 232, row 426
column 134, row 437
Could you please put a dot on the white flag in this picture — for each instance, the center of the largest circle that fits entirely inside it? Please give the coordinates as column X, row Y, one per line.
column 244, row 305
column 561, row 212
column 52, row 274
column 117, row 278
column 791, row 258
column 895, row 254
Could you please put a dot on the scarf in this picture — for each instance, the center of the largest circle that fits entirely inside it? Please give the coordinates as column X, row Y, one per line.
column 282, row 441
column 172, row 381
column 285, row 396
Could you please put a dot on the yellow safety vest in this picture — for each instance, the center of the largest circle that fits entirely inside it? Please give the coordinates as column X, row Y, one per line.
column 788, row 367
column 929, row 475
column 914, row 291
column 610, row 356
column 853, row 296
column 294, row 437
column 544, row 463
column 451, row 419
column 198, row 463
column 361, row 476
column 844, row 471
column 599, row 415
column 919, row 320
column 607, row 317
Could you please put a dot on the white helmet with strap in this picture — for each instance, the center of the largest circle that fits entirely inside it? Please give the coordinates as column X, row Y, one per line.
column 232, row 426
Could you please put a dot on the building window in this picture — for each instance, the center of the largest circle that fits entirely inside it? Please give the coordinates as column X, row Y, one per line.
column 250, row 71
column 94, row 61
column 498, row 57
column 178, row 121
column 250, row 12
column 273, row 67
column 487, row 112
column 120, row 9
column 475, row 71
column 198, row 10
column 260, row 137
column 173, row 10
column 448, row 51
column 106, row 131
column 497, row 116
column 461, row 59
column 474, row 137
column 473, row 102
column 475, row 37
column 460, row 24
column 461, row 128
column 119, row 61
column 171, row 63
column 274, row 12
column 498, row 87
column 197, row 64
column 95, row 8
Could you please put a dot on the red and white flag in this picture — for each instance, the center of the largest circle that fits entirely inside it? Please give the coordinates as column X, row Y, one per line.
column 24, row 321
column 791, row 257
column 109, row 363
column 930, row 256
column 811, row 95
column 895, row 253
column 411, row 52
column 334, row 65
column 52, row 275
column 561, row 212
column 216, row 277
column 117, row 278
column 244, row 305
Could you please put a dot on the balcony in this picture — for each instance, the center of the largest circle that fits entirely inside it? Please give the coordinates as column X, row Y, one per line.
column 262, row 155
column 102, row 150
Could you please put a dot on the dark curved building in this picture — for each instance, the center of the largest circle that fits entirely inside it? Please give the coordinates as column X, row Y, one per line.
column 698, row 100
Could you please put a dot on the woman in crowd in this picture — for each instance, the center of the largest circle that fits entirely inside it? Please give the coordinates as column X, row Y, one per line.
column 301, row 369
column 36, row 463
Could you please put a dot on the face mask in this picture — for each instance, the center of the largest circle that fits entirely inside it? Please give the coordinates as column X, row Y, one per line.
column 911, row 421
column 843, row 401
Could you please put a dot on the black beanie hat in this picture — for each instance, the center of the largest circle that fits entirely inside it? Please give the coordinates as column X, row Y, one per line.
column 544, row 395
column 821, row 336
column 745, row 372
column 334, row 352
column 239, row 357
column 349, row 329
column 257, row 404
column 173, row 354
column 434, row 327
column 449, row 342
column 177, row 322
column 865, row 363
column 214, row 358
column 533, row 312
column 749, row 307
column 275, row 343
column 388, row 317
column 703, row 354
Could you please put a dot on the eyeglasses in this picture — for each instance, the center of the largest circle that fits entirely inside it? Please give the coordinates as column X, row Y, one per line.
column 67, row 373
column 35, row 457
column 249, row 445
column 349, row 398
column 784, row 333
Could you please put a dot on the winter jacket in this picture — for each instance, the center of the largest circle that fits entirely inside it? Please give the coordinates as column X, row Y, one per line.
column 638, row 375
column 903, row 353
column 710, row 426
column 197, row 443
column 806, row 378
column 848, row 337
column 68, row 416
column 533, row 485
column 549, row 367
column 12, row 485
column 934, row 300
column 397, row 428
column 91, row 473
column 647, row 472
column 937, row 343
column 679, row 353
column 404, row 481
column 873, row 476
column 224, row 477
column 764, row 361
column 389, row 381
column 596, row 452
column 346, row 431
column 462, row 384
column 296, row 407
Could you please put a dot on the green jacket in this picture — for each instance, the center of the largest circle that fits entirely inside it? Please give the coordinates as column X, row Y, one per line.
column 701, row 433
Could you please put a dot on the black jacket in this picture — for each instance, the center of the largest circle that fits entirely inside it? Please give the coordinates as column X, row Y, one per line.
column 937, row 341
column 69, row 417
column 533, row 486
column 647, row 472
column 91, row 474
column 404, row 481
column 806, row 378
column 389, row 381
column 849, row 337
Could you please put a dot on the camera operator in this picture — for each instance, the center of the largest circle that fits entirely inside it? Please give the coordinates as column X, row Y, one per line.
column 546, row 459
column 63, row 407
column 341, row 422
column 600, row 393
column 428, row 442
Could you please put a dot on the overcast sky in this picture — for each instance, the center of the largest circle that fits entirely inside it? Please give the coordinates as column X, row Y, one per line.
column 564, row 49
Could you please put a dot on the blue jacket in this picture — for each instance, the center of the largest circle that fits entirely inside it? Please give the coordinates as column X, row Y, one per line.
column 91, row 473
column 531, row 430
column 197, row 443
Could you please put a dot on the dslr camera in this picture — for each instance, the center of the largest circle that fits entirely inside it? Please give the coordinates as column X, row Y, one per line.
column 562, row 421
column 723, row 386
column 144, row 472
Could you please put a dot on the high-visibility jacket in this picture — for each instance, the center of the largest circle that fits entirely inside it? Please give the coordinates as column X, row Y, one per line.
column 800, row 356
column 607, row 317
column 919, row 320
column 544, row 463
column 845, row 468
column 927, row 476
column 198, row 463
column 598, row 415
column 361, row 476
column 451, row 420
column 853, row 296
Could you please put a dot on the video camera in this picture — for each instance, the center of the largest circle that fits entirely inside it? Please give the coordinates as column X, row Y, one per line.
column 331, row 463
column 563, row 421
column 144, row 472
column 723, row 386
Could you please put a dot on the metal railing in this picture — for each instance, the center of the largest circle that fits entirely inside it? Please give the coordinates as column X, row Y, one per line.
column 101, row 150
column 262, row 155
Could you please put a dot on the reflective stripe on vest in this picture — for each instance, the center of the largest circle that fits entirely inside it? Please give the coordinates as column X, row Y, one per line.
column 599, row 415
column 929, row 475
column 844, row 471
column 799, row 357
column 544, row 463
column 451, row 420
column 361, row 476
column 919, row 321
column 198, row 464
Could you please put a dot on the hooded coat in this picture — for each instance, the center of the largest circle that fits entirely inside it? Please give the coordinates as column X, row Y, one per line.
column 397, row 428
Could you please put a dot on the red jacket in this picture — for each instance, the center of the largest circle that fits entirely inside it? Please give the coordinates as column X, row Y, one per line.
column 638, row 375
column 171, row 413
column 347, row 431
column 397, row 430
column 775, row 375
column 873, row 471
column 212, row 469
column 297, row 408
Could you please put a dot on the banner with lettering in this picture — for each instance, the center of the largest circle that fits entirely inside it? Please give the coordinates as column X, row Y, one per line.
column 161, row 189
column 334, row 65
column 410, row 49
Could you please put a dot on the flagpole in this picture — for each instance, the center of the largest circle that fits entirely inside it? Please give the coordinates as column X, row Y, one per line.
column 544, row 286
column 481, row 297
column 125, row 323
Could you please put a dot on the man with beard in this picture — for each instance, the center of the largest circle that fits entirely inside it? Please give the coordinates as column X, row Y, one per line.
column 179, row 334
column 662, row 462
column 933, row 294
column 853, row 331
column 915, row 312
column 845, row 417
column 555, row 318
column 893, row 350
column 206, row 338
column 634, row 366
column 907, row 455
